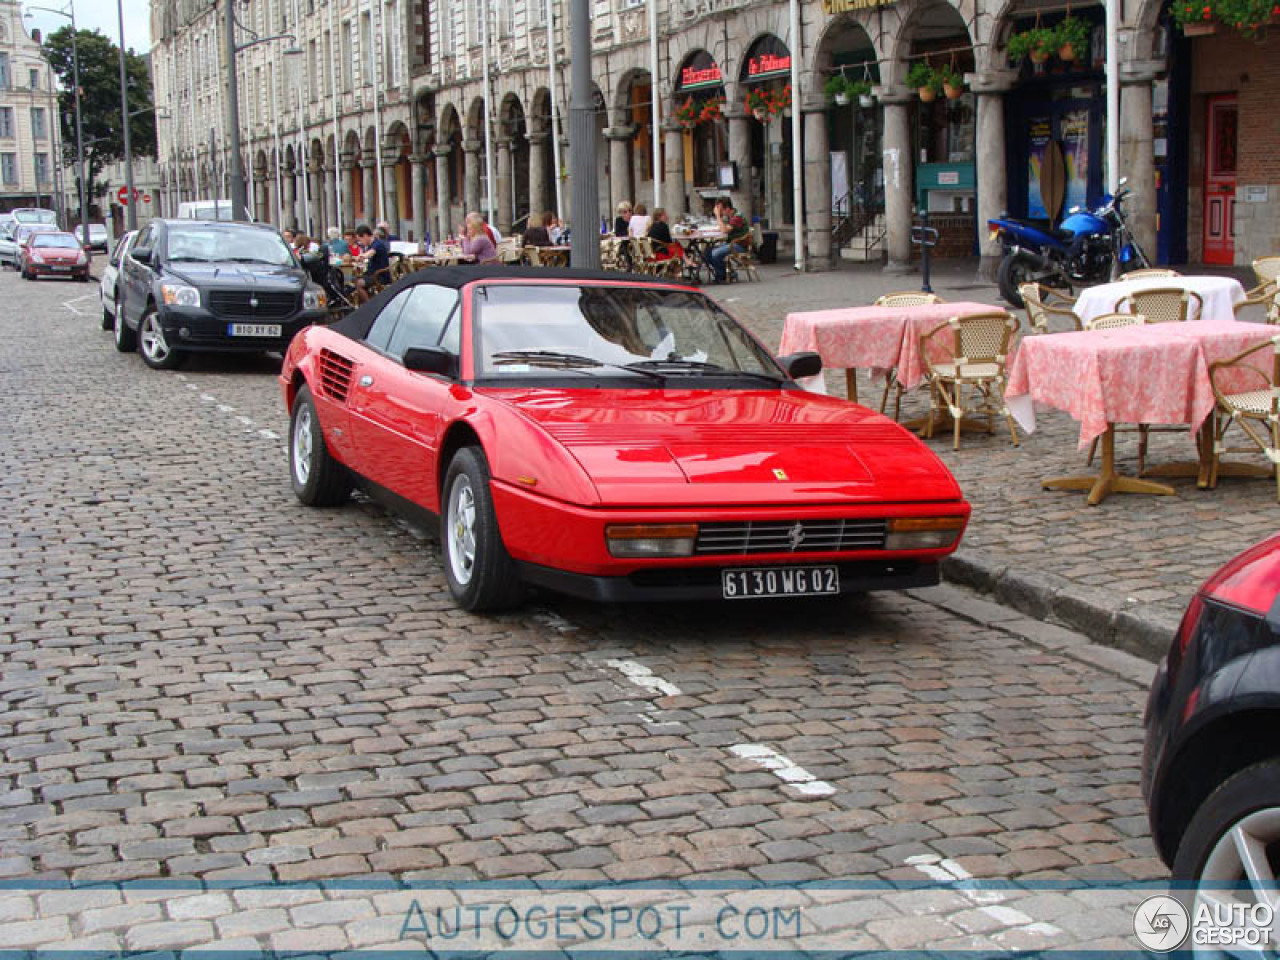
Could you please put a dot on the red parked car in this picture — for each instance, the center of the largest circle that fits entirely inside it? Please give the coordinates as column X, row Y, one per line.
column 53, row 254
column 611, row 438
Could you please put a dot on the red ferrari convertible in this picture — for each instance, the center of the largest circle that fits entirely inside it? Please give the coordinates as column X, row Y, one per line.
column 609, row 437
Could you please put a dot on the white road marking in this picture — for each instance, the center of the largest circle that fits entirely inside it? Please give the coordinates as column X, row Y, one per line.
column 208, row 398
column 269, row 434
column 946, row 870
column 192, row 386
column 223, row 408
column 68, row 303
column 643, row 677
column 247, row 421
column 783, row 768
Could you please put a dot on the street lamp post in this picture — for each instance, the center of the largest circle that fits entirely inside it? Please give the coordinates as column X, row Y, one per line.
column 75, row 76
column 239, row 191
column 131, row 211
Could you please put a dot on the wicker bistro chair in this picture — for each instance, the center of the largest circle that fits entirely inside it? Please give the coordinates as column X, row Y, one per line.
column 1256, row 412
column 509, row 250
column 742, row 265
column 1265, row 296
column 905, row 298
column 446, row 254
column 672, row 267
column 971, row 380
column 1113, row 321
column 611, row 255
column 1040, row 311
column 1267, row 270
column 1162, row 304
column 1151, row 272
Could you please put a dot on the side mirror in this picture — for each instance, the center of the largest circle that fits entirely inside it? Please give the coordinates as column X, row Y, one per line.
column 800, row 365
column 141, row 254
column 435, row 360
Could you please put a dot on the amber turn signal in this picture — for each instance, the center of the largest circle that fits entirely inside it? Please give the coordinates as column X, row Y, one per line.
column 651, row 539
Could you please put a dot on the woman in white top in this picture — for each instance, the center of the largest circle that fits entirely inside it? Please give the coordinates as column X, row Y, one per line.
column 638, row 225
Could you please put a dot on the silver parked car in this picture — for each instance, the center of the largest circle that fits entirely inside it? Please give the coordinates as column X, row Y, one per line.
column 109, row 291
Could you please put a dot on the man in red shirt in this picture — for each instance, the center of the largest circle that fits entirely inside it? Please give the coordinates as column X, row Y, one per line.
column 737, row 237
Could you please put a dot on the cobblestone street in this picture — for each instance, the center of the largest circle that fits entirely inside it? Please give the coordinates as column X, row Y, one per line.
column 202, row 678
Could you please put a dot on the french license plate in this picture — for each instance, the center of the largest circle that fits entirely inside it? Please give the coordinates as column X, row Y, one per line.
column 253, row 329
column 754, row 582
column 60, row 269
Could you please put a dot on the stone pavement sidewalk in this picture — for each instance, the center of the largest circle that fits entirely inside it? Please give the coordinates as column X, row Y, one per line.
column 1121, row 572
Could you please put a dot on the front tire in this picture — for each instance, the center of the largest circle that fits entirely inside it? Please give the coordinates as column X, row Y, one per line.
column 126, row 339
column 318, row 479
column 481, row 574
column 1015, row 270
column 155, row 349
column 1242, row 814
column 109, row 321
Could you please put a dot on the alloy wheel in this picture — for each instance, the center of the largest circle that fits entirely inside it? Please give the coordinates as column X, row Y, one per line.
column 302, row 446
column 1240, row 872
column 154, row 344
column 462, row 529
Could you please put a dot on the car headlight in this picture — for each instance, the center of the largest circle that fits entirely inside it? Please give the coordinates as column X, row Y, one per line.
column 923, row 533
column 651, row 539
column 313, row 298
column 180, row 295
column 81, row 258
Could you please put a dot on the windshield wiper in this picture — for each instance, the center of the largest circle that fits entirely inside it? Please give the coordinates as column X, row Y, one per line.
column 190, row 260
column 682, row 366
column 568, row 361
column 272, row 263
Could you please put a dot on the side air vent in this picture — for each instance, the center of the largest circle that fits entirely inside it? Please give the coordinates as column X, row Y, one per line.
column 335, row 375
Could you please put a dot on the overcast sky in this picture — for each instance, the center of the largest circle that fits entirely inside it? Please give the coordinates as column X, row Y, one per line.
column 99, row 15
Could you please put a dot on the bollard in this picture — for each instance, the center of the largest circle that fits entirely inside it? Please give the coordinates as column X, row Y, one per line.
column 926, row 238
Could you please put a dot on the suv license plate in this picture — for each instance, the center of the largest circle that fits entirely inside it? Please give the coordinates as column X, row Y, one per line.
column 755, row 582
column 253, row 329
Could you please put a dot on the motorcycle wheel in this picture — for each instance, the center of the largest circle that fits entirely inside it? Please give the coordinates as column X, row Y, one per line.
column 1015, row 270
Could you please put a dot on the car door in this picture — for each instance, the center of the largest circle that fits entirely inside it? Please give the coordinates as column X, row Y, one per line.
column 135, row 280
column 395, row 412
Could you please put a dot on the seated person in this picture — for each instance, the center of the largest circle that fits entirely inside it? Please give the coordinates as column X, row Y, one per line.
column 638, row 225
column 540, row 235
column 377, row 258
column 737, row 236
column 338, row 246
column 476, row 240
column 664, row 247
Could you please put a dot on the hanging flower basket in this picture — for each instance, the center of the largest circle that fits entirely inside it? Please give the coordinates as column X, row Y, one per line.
column 926, row 80
column 767, row 104
column 1072, row 36
column 1250, row 18
column 688, row 114
column 952, row 83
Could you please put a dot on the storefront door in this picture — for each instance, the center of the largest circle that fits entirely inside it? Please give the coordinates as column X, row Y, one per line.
column 1220, row 181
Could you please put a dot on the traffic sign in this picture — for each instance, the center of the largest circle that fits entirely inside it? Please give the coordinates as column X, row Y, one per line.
column 123, row 196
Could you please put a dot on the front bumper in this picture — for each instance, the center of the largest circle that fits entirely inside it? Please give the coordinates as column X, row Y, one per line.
column 195, row 328
column 703, row 583
column 69, row 271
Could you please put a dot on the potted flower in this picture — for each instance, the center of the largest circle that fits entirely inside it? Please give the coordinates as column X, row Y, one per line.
column 952, row 82
column 837, row 88
column 688, row 114
column 862, row 90
column 1038, row 43
column 1073, row 35
column 760, row 103
column 711, row 110
column 925, row 80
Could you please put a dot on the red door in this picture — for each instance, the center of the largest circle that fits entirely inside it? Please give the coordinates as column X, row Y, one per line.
column 1220, row 181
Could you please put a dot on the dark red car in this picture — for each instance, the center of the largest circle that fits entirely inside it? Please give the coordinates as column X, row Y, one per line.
column 611, row 438
column 53, row 254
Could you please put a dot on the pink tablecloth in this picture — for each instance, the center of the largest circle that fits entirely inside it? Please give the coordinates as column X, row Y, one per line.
column 882, row 338
column 1151, row 374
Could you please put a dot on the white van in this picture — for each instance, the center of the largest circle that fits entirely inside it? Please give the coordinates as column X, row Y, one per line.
column 204, row 210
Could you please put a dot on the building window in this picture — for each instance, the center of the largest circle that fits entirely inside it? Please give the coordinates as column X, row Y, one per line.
column 5, row 80
column 38, row 130
column 367, row 50
column 314, row 79
column 9, row 167
column 33, row 76
column 42, row 168
column 6, row 121
column 445, row 27
column 348, row 51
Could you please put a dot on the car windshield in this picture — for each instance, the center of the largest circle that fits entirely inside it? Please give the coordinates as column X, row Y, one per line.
column 35, row 215
column 228, row 244
column 55, row 240
column 594, row 330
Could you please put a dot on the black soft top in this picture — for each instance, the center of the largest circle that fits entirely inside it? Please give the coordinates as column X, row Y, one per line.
column 356, row 324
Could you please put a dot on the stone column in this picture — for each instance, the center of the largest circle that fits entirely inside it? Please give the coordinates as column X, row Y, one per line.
column 444, row 200
column 740, row 153
column 993, row 186
column 419, row 195
column 315, row 225
column 817, row 185
column 621, row 181
column 1137, row 151
column 289, row 217
column 330, row 201
column 539, row 203
column 898, row 170
column 471, row 175
column 503, row 186
column 348, row 163
column 390, row 194
column 673, row 182
column 370, row 212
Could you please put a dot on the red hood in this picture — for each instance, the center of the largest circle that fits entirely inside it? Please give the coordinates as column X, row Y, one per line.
column 643, row 447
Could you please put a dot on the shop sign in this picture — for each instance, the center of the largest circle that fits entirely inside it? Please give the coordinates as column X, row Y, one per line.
column 832, row 7
column 696, row 76
column 768, row 65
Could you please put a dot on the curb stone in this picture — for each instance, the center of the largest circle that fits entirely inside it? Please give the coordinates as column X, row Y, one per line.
column 1101, row 615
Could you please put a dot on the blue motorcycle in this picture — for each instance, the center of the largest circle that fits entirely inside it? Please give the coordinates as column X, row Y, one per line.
column 1088, row 247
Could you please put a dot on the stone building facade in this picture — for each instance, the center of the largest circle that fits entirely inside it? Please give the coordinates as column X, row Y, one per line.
column 28, row 117
column 366, row 110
